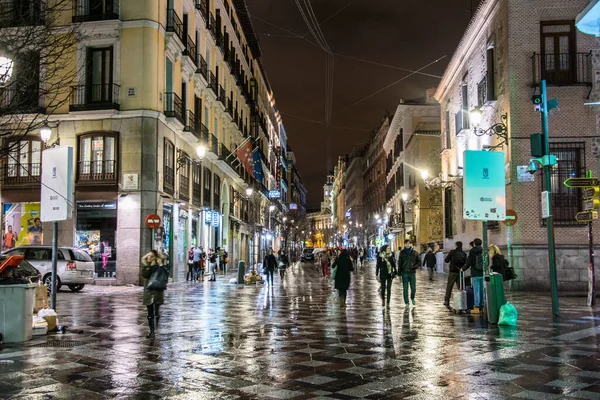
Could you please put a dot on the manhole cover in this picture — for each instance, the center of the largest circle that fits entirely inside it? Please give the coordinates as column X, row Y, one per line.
column 63, row 343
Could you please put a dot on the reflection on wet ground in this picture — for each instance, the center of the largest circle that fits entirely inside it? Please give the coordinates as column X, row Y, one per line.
column 293, row 341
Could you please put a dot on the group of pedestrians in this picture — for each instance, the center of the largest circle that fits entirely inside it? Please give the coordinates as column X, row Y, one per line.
column 197, row 260
column 389, row 266
column 459, row 262
column 270, row 263
column 327, row 258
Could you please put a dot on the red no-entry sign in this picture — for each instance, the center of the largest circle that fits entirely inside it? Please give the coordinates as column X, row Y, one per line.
column 511, row 218
column 153, row 221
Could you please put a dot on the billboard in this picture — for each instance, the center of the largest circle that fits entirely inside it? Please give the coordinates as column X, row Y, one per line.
column 484, row 190
column 57, row 184
column 22, row 225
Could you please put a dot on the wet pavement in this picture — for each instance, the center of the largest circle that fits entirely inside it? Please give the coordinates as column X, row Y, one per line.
column 219, row 341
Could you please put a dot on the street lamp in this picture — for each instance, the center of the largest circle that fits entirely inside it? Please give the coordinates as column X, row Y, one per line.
column 284, row 219
column 271, row 208
column 6, row 68
column 424, row 174
column 499, row 129
column 388, row 210
column 249, row 192
column 201, row 151
column 404, row 196
column 376, row 216
column 45, row 133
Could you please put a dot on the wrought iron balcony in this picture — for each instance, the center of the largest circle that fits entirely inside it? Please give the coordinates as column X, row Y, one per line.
column 202, row 6
column 221, row 96
column 562, row 69
column 190, row 50
column 184, row 187
column 214, row 144
column 13, row 101
column 21, row 175
column 212, row 82
column 97, row 172
column 169, row 180
column 211, row 25
column 196, row 194
column 174, row 107
column 204, row 134
column 224, row 153
column 229, row 108
column 203, row 68
column 89, row 10
column 191, row 124
column 174, row 24
column 104, row 96
column 21, row 13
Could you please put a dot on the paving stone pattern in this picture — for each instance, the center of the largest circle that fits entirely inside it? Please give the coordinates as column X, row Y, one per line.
column 293, row 341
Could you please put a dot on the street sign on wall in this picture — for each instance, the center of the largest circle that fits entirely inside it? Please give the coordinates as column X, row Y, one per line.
column 581, row 182
column 57, row 184
column 484, row 190
column 152, row 221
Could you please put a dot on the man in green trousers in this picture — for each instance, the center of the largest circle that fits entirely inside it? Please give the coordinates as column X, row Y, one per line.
column 408, row 263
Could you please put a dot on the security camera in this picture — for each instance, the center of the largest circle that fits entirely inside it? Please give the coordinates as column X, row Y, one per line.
column 532, row 168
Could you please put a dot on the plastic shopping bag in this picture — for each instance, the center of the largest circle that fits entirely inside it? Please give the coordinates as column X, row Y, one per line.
column 508, row 315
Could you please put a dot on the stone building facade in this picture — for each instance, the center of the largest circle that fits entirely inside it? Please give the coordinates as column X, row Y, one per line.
column 507, row 49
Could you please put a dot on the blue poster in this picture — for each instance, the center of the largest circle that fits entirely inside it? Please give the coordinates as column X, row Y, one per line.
column 484, row 190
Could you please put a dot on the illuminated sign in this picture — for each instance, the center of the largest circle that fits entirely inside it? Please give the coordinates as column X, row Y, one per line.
column 293, row 206
column 484, row 190
column 215, row 218
column 274, row 194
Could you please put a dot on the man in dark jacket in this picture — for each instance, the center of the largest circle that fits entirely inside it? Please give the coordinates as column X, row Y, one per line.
column 269, row 265
column 408, row 263
column 457, row 258
column 475, row 261
column 429, row 261
column 385, row 270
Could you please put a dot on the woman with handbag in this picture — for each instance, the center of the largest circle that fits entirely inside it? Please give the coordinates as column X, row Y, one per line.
column 157, row 277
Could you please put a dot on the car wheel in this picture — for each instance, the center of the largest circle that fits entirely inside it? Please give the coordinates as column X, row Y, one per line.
column 76, row 288
column 48, row 282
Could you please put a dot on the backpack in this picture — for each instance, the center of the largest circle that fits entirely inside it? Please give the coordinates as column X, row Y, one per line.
column 460, row 258
column 478, row 263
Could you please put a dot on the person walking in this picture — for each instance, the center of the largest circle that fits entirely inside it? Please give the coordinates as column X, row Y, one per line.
column 475, row 260
column 212, row 265
column 343, row 265
column 269, row 265
column 408, row 263
column 196, row 256
column 325, row 262
column 385, row 271
column 354, row 253
column 361, row 255
column 429, row 261
column 152, row 299
column 456, row 258
column 282, row 262
column 499, row 263
column 190, row 264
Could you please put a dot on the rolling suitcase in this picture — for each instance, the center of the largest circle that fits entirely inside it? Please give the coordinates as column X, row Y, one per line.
column 494, row 296
column 470, row 297
column 459, row 297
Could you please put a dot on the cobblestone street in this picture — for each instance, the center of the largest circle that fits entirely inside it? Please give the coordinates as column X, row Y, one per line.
column 294, row 342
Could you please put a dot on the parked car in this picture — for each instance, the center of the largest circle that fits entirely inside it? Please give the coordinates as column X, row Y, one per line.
column 307, row 254
column 75, row 267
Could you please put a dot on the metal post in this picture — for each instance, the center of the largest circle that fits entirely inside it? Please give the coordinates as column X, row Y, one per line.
column 484, row 239
column 509, row 248
column 591, row 301
column 54, row 258
column 549, row 220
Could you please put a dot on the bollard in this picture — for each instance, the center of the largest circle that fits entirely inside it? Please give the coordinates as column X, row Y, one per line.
column 241, row 272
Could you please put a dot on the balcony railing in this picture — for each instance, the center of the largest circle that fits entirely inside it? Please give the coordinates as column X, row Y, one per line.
column 97, row 172
column 562, row 69
column 204, row 134
column 21, row 174
column 190, row 50
column 221, row 97
column 191, row 125
column 174, row 24
column 13, row 101
column 214, row 144
column 184, row 187
column 236, row 116
column 169, row 180
column 229, row 108
column 196, row 194
column 20, row 13
column 86, row 10
column 211, row 25
column 174, row 107
column 104, row 96
column 203, row 68
column 224, row 153
column 212, row 82
column 202, row 6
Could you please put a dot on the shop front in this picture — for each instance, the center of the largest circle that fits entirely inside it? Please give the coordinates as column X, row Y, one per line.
column 96, row 233
column 167, row 241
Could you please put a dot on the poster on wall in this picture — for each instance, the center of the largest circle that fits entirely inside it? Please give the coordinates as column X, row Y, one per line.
column 21, row 225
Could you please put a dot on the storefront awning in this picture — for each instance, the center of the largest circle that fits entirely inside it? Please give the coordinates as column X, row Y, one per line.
column 588, row 20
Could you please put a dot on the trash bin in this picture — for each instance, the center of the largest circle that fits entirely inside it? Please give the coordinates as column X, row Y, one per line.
column 16, row 312
column 241, row 272
column 494, row 292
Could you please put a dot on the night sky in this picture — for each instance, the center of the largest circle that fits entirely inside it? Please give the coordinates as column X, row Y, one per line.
column 403, row 33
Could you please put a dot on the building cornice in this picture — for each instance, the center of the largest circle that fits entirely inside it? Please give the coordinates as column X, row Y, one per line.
column 466, row 45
